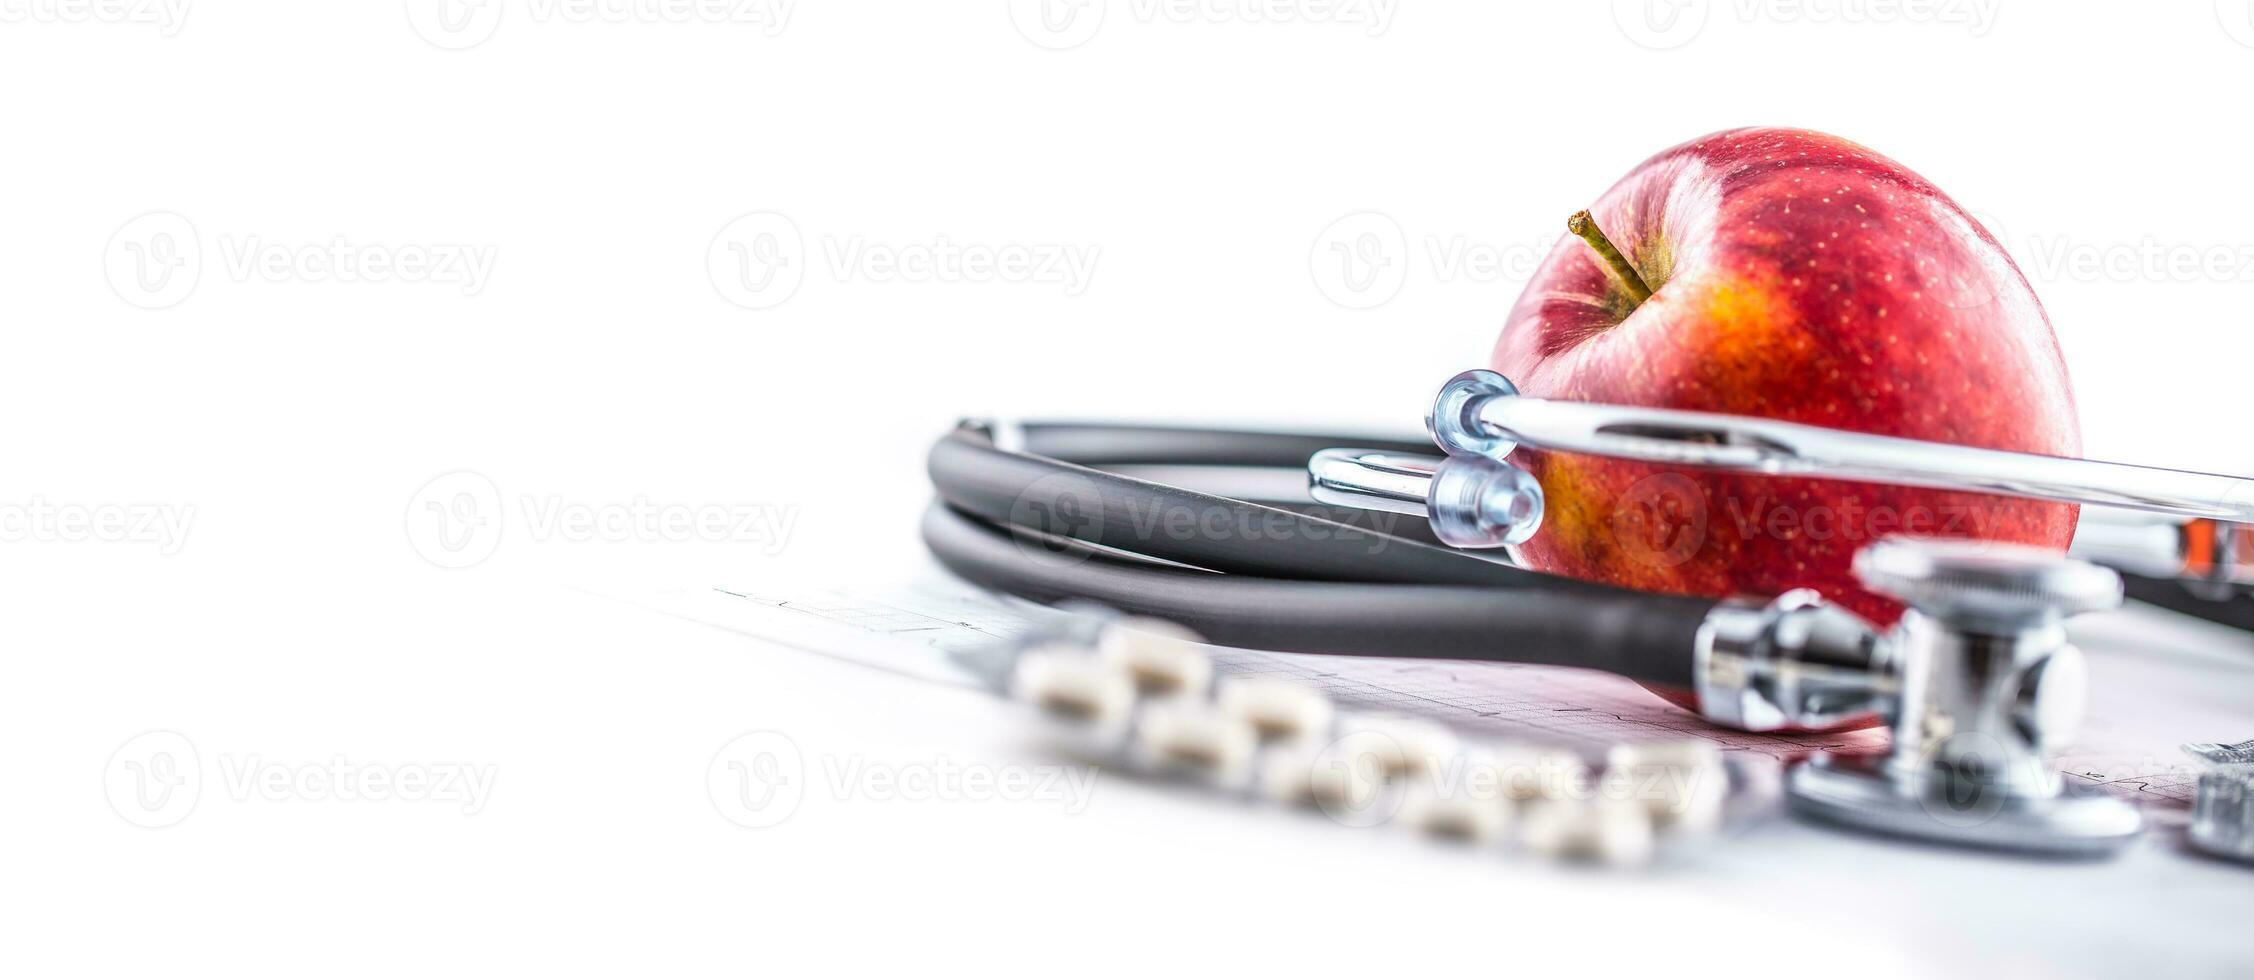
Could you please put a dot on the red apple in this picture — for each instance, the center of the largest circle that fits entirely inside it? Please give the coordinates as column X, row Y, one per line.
column 1791, row 275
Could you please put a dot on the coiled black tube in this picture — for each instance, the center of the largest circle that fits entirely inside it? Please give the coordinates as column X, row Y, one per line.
column 1244, row 574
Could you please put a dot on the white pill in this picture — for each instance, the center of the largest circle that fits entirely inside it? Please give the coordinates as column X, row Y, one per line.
column 1682, row 785
column 1456, row 810
column 1279, row 709
column 1303, row 775
column 1165, row 658
column 1071, row 685
column 1624, row 836
column 1192, row 736
column 1608, row 832
column 1403, row 745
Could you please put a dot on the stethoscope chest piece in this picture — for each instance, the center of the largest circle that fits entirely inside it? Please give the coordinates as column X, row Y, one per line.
column 1946, row 805
column 1985, row 684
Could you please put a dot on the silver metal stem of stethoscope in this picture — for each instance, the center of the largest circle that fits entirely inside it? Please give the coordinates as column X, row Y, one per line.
column 1481, row 413
column 1366, row 479
column 1511, row 510
column 1470, row 501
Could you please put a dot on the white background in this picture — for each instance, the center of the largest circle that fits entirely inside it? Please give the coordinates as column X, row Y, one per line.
column 292, row 424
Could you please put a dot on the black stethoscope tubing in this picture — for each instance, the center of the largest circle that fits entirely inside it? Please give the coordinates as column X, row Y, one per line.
column 1050, row 521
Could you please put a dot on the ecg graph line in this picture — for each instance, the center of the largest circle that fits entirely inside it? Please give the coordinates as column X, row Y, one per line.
column 875, row 616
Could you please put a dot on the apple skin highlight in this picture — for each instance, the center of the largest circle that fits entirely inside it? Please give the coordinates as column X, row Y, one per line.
column 1794, row 276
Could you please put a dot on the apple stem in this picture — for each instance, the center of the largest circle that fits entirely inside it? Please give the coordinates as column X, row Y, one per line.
column 1586, row 227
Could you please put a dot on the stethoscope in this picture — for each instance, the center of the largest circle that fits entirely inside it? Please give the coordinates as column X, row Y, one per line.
column 1977, row 679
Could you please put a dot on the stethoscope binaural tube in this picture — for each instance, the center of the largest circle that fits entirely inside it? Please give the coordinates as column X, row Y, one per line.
column 1490, row 503
column 1481, row 414
column 2183, row 538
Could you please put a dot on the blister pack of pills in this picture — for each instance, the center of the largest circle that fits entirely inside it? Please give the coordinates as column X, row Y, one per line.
column 1145, row 696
